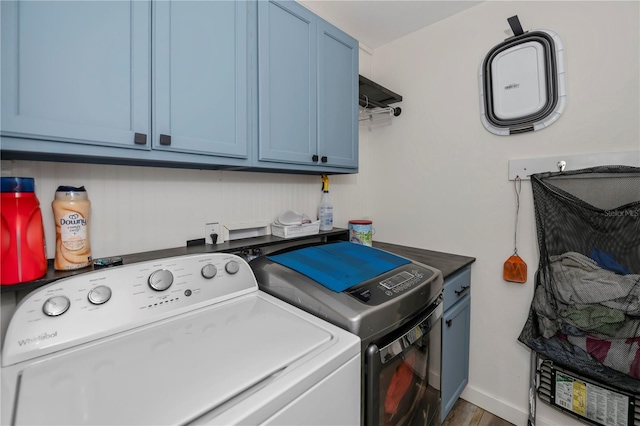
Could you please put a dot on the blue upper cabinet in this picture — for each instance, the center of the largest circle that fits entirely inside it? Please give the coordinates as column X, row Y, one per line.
column 287, row 95
column 129, row 82
column 307, row 91
column 76, row 71
column 200, row 79
column 201, row 84
column 337, row 97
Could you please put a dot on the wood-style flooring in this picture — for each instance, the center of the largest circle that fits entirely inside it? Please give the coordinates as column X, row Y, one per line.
column 464, row 413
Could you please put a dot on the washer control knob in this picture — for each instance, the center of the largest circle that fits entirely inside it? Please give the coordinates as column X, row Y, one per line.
column 99, row 295
column 232, row 267
column 209, row 271
column 56, row 305
column 160, row 280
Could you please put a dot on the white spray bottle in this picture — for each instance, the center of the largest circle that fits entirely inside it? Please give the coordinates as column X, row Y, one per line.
column 325, row 209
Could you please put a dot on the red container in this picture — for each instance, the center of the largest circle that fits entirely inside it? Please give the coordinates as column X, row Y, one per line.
column 23, row 257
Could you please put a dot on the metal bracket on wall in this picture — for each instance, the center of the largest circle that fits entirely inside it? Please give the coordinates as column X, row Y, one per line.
column 236, row 231
column 524, row 168
column 375, row 99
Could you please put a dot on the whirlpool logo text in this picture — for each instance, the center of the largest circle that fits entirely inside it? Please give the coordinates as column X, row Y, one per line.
column 37, row 339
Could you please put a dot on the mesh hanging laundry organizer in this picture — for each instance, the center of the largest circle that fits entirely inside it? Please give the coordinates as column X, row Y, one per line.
column 585, row 313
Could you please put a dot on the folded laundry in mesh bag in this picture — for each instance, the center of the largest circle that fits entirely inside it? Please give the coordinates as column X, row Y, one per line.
column 588, row 276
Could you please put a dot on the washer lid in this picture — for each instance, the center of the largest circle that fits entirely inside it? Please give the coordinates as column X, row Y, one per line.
column 522, row 83
column 174, row 371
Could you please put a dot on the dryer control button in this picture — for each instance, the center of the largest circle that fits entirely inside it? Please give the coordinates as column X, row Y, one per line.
column 56, row 305
column 160, row 280
column 232, row 267
column 99, row 295
column 209, row 271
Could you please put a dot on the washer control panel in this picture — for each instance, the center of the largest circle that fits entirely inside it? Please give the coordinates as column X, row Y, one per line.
column 100, row 303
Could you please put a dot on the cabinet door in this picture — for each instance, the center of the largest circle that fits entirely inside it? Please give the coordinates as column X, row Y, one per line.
column 287, row 83
column 455, row 352
column 337, row 97
column 76, row 71
column 200, row 77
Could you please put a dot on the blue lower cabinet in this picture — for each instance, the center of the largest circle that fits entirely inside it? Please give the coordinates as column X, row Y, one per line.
column 455, row 339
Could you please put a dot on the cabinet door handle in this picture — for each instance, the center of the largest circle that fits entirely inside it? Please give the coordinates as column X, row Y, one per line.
column 449, row 322
column 462, row 290
column 314, row 158
column 324, row 159
column 140, row 139
column 165, row 140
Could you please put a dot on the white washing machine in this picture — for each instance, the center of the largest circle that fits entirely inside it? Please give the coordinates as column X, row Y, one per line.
column 183, row 340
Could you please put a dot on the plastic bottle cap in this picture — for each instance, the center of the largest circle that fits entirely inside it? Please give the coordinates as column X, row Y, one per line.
column 70, row 189
column 325, row 183
column 17, row 184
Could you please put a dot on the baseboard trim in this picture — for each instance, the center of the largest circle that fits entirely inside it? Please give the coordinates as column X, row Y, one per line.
column 513, row 414
column 491, row 404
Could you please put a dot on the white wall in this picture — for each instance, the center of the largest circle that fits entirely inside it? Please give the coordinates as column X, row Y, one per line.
column 137, row 209
column 442, row 179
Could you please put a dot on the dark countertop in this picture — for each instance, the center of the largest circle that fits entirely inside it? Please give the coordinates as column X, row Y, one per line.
column 226, row 247
column 447, row 263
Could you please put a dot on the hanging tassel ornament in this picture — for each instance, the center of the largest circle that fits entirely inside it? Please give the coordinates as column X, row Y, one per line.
column 515, row 269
